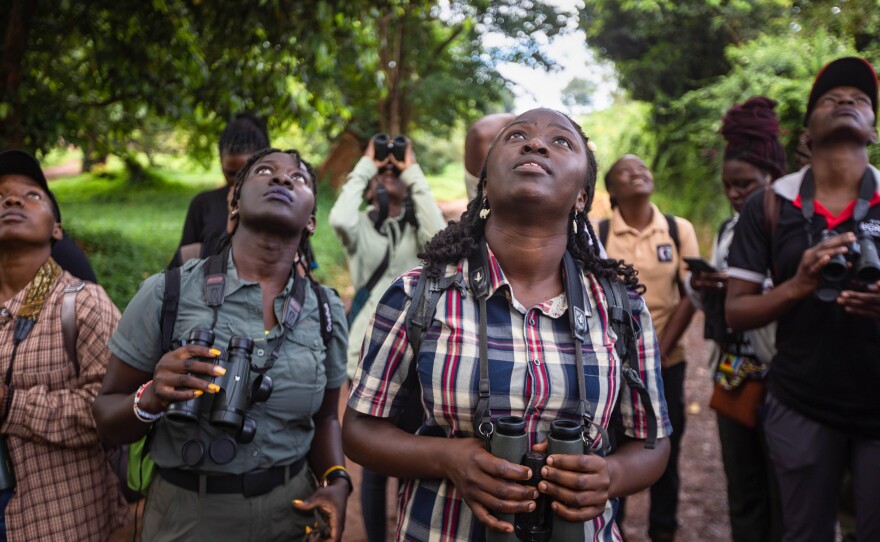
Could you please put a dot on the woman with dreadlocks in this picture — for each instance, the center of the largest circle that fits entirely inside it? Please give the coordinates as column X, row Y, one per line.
column 206, row 219
column 217, row 482
column 501, row 342
column 753, row 158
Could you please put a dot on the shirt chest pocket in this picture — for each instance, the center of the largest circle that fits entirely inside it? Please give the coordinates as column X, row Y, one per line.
column 299, row 376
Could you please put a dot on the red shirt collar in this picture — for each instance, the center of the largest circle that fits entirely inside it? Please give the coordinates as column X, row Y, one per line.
column 834, row 221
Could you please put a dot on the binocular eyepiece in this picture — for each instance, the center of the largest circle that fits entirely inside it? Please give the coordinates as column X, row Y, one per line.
column 861, row 263
column 230, row 404
column 383, row 145
column 510, row 442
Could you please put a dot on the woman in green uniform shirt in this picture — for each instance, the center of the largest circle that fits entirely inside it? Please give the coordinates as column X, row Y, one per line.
column 212, row 484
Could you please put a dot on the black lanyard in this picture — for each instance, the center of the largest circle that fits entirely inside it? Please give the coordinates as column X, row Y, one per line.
column 216, row 268
column 478, row 268
column 867, row 187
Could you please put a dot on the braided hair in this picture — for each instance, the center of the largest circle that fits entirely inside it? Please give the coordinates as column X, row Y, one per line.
column 461, row 238
column 306, row 254
column 246, row 133
column 751, row 131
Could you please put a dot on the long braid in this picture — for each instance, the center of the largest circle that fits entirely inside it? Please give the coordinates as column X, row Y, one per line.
column 459, row 239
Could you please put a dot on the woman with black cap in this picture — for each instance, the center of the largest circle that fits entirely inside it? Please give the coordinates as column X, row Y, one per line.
column 818, row 232
column 753, row 158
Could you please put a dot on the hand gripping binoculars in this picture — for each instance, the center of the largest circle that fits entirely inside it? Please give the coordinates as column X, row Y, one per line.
column 864, row 266
column 229, row 406
column 509, row 442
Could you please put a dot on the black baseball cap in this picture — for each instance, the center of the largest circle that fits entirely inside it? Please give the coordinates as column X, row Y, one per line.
column 17, row 162
column 849, row 71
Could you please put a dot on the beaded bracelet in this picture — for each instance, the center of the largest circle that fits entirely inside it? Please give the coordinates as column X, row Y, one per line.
column 142, row 415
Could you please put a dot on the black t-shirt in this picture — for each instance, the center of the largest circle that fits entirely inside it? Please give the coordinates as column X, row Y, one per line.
column 828, row 362
column 205, row 222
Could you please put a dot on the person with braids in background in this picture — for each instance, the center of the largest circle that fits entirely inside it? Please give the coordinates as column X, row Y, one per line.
column 206, row 219
column 525, row 226
column 199, row 493
column 753, row 158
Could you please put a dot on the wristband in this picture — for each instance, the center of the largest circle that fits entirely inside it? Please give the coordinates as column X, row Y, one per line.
column 335, row 472
column 142, row 415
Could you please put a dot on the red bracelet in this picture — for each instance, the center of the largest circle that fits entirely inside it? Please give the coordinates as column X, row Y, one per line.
column 142, row 415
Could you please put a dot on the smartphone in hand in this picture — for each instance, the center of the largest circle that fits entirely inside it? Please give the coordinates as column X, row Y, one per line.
column 699, row 265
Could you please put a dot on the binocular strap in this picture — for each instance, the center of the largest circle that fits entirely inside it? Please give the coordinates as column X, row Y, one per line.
column 808, row 198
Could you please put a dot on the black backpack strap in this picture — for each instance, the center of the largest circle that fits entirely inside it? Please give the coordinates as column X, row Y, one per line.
column 673, row 233
column 170, row 301
column 215, row 281
column 620, row 315
column 324, row 311
column 69, row 325
column 425, row 297
column 604, row 225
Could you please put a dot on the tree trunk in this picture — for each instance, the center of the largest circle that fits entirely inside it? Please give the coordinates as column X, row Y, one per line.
column 392, row 31
column 343, row 155
column 14, row 47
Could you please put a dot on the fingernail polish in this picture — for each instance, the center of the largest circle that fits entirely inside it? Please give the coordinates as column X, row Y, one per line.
column 297, row 501
column 214, row 352
column 198, row 393
column 213, row 388
column 219, row 370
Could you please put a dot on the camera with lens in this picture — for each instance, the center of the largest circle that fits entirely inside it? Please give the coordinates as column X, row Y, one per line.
column 383, row 145
column 230, row 404
column 859, row 264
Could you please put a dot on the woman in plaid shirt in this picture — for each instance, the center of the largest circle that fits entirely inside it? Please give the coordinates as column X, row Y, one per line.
column 535, row 191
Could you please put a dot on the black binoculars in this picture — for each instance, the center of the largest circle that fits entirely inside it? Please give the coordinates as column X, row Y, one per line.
column 230, row 403
column 509, row 442
column 861, row 263
column 383, row 145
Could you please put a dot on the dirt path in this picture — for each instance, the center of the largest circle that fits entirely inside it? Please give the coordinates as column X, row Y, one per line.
column 703, row 503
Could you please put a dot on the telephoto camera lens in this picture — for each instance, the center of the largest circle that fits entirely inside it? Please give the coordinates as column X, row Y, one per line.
column 231, row 401
column 868, row 268
column 381, row 146
column 188, row 410
column 566, row 437
column 509, row 442
column 535, row 526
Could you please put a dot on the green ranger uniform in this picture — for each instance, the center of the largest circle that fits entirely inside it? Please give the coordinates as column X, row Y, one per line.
column 303, row 370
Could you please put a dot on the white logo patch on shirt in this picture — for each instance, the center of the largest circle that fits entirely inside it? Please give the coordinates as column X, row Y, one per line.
column 871, row 227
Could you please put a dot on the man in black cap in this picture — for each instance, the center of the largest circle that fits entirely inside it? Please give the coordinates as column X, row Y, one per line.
column 65, row 250
column 818, row 230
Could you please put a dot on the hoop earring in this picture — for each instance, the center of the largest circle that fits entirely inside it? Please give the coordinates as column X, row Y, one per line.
column 484, row 212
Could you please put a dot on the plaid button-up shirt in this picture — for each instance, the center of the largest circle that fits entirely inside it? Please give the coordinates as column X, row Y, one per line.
column 65, row 490
column 532, row 374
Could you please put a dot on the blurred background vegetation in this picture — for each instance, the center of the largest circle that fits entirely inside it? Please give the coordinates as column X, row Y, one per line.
column 137, row 92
